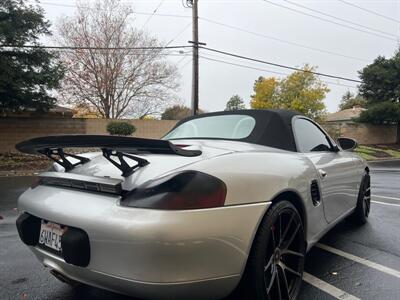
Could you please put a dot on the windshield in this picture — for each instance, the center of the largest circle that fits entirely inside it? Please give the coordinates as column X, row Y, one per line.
column 224, row 127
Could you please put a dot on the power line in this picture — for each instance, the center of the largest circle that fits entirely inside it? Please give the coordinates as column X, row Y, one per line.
column 182, row 54
column 241, row 65
column 179, row 47
column 281, row 40
column 93, row 48
column 135, row 12
column 279, row 65
column 329, row 21
column 370, row 11
column 154, row 13
column 338, row 18
column 182, row 59
column 269, row 71
column 179, row 33
column 187, row 63
column 155, row 10
column 161, row 15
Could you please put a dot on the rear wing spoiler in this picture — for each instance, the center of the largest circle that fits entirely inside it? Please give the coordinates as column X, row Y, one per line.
column 112, row 146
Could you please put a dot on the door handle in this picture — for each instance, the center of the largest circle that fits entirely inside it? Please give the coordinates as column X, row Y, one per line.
column 322, row 173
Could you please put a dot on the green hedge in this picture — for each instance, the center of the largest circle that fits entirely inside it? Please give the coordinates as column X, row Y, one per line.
column 381, row 113
column 120, row 128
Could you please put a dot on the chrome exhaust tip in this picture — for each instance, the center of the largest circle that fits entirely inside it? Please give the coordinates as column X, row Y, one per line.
column 62, row 278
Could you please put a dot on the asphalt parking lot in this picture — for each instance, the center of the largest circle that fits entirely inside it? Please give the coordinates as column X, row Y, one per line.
column 350, row 262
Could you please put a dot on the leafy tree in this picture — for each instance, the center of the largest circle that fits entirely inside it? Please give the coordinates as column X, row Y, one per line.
column 349, row 100
column 301, row 91
column 177, row 112
column 385, row 112
column 266, row 93
column 26, row 74
column 381, row 88
column 235, row 103
column 381, row 80
column 148, row 117
column 83, row 110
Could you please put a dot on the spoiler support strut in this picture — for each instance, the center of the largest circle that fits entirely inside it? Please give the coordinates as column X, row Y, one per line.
column 126, row 169
column 63, row 160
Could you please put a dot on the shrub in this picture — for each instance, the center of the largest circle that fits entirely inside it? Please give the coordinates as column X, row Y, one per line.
column 381, row 113
column 120, row 128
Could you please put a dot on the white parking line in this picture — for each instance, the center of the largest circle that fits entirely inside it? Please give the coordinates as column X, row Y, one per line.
column 385, row 203
column 327, row 288
column 360, row 260
column 385, row 197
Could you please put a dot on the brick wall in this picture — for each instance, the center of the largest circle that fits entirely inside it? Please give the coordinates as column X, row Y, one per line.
column 144, row 128
column 366, row 134
column 15, row 130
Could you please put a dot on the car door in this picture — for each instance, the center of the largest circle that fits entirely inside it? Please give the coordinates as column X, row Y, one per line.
column 337, row 173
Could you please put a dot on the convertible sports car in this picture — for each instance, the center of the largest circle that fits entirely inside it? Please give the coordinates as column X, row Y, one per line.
column 226, row 201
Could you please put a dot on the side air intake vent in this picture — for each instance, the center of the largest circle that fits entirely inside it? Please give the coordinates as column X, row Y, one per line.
column 315, row 194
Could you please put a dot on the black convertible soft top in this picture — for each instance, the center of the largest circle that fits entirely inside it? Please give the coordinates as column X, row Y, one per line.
column 273, row 127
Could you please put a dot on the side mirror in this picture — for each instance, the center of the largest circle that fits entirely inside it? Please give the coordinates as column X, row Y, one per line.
column 347, row 143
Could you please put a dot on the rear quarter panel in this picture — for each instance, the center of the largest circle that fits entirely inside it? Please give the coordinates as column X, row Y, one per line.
column 253, row 177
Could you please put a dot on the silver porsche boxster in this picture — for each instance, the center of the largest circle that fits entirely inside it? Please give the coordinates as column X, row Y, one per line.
column 225, row 202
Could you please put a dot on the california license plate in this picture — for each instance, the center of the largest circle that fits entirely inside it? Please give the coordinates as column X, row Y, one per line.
column 50, row 235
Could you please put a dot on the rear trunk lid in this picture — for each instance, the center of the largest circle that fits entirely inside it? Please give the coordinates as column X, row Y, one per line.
column 159, row 165
column 143, row 158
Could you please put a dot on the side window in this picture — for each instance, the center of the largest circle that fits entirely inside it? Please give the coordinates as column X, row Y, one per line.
column 309, row 137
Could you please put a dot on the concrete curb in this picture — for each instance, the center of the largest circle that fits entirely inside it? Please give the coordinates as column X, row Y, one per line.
column 384, row 160
column 393, row 164
column 4, row 174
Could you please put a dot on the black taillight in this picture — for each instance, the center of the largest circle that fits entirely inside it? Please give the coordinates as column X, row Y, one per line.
column 181, row 191
column 35, row 182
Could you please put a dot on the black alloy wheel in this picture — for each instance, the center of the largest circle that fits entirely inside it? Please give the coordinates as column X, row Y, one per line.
column 367, row 196
column 363, row 208
column 275, row 267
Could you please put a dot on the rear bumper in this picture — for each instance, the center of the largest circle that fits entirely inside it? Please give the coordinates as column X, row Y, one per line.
column 207, row 289
column 150, row 253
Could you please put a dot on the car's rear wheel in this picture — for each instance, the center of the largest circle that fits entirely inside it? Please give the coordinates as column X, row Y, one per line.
column 275, row 266
column 363, row 208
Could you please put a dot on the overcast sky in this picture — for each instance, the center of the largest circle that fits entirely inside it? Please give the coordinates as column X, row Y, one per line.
column 219, row 81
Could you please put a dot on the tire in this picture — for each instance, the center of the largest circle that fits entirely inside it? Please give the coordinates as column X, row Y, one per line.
column 363, row 207
column 275, row 266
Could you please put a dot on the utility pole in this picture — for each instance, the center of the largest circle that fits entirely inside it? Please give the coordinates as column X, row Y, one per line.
column 193, row 4
column 195, row 74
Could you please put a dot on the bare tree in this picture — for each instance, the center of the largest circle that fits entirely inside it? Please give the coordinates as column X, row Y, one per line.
column 117, row 81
